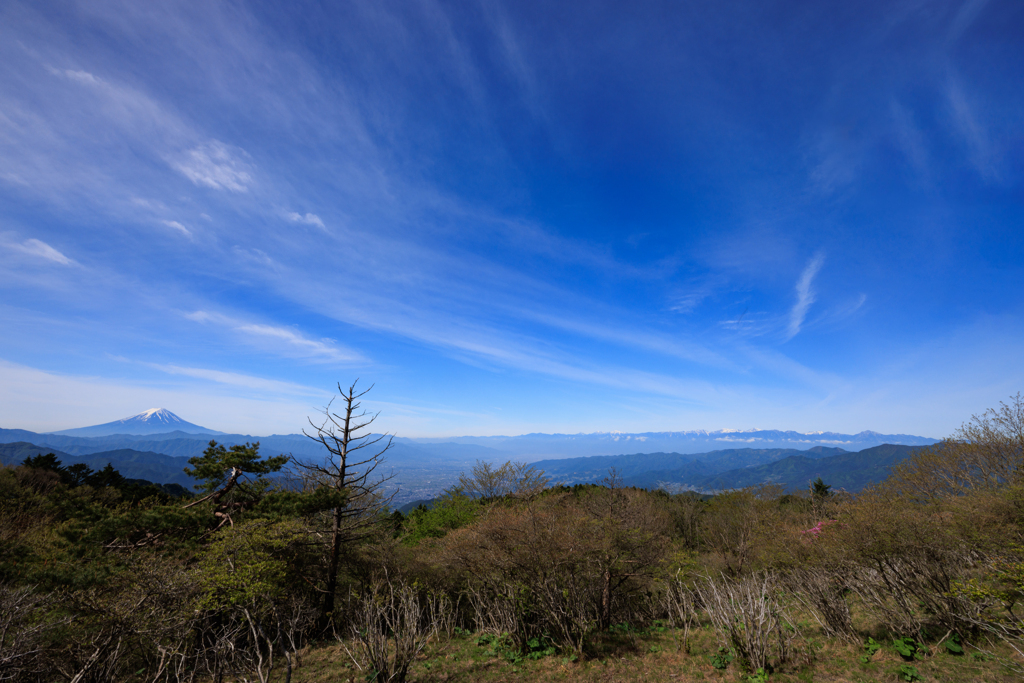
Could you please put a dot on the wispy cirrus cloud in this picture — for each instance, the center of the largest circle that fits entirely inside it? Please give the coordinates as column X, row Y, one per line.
column 235, row 379
column 253, row 255
column 976, row 138
column 408, row 136
column 965, row 16
column 910, row 140
column 232, row 402
column 688, row 300
column 805, row 295
column 40, row 250
column 121, row 107
column 216, row 166
column 80, row 76
column 282, row 339
column 175, row 225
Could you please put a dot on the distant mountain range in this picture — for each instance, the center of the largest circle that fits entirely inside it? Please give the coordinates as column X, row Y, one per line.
column 420, row 476
column 420, row 470
column 155, row 445
column 647, row 469
column 735, row 468
column 718, row 471
column 849, row 471
column 162, row 424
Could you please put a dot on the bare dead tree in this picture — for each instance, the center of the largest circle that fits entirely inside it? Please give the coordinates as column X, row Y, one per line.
column 353, row 455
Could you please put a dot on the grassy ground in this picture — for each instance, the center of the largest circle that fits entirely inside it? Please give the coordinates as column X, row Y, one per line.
column 658, row 654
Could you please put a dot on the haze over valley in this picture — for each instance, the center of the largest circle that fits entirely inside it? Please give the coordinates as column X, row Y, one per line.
column 699, row 460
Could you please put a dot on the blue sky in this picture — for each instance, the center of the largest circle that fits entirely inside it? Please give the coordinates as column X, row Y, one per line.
column 513, row 217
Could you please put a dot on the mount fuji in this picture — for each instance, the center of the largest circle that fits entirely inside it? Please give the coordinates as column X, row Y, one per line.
column 152, row 421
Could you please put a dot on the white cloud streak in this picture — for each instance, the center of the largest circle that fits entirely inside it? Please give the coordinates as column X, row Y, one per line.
column 805, row 295
column 179, row 227
column 308, row 219
column 40, row 249
column 965, row 16
column 979, row 148
column 42, row 400
column 289, row 341
column 910, row 140
column 234, row 379
column 80, row 76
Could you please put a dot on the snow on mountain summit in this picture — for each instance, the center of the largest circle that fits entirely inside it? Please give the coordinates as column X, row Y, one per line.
column 156, row 415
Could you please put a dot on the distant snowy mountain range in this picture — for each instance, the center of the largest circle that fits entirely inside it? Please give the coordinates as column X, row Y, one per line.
column 155, row 445
column 152, row 421
column 541, row 446
column 544, row 446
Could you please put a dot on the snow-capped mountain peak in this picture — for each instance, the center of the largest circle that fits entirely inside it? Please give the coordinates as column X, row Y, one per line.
column 152, row 421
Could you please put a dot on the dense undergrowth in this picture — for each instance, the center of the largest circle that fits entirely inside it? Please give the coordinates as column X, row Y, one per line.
column 510, row 576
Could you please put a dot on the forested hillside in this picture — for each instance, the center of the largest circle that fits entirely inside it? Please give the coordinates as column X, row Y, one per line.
column 510, row 576
column 846, row 471
column 155, row 467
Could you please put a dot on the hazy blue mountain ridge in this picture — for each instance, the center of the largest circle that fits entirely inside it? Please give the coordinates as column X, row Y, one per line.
column 850, row 471
column 424, row 467
column 156, row 426
column 417, row 470
column 153, row 467
column 181, row 444
column 596, row 468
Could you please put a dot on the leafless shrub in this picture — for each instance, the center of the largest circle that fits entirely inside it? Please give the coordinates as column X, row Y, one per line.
column 245, row 642
column 494, row 606
column 294, row 619
column 559, row 566
column 24, row 624
column 686, row 509
column 821, row 592
column 391, row 629
column 134, row 621
column 908, row 593
column 681, row 604
column 902, row 560
column 442, row 614
column 746, row 614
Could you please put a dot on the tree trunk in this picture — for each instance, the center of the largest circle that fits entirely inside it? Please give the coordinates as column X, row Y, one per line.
column 606, row 599
column 327, row 608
